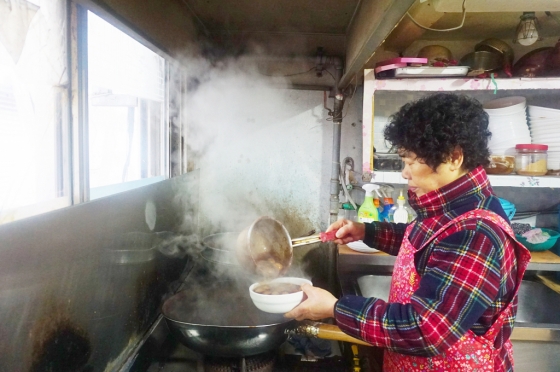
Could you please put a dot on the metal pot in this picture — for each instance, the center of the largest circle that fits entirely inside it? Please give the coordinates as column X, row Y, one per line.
column 482, row 61
column 496, row 45
column 220, row 248
column 220, row 320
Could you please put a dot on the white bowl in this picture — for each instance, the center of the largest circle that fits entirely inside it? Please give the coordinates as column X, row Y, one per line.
column 520, row 115
column 534, row 121
column 278, row 304
column 544, row 123
column 497, row 141
column 509, row 135
column 503, row 150
column 546, row 139
column 505, row 105
column 506, row 127
column 516, row 116
column 542, row 112
column 550, row 134
column 545, row 129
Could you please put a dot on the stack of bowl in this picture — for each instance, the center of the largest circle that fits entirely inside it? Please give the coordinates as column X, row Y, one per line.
column 508, row 124
column 544, row 124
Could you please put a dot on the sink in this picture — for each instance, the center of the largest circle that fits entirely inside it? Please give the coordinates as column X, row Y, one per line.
column 375, row 286
column 537, row 304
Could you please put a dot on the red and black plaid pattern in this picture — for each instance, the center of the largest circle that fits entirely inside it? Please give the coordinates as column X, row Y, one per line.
column 468, row 276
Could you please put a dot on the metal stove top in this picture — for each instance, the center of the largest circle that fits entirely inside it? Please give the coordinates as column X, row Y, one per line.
column 161, row 352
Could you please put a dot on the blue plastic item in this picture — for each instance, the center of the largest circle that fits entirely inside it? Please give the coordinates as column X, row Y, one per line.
column 508, row 207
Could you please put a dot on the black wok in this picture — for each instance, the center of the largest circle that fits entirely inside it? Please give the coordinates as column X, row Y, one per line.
column 219, row 319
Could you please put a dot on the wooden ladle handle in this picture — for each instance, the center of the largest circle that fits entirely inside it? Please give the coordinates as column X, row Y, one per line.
column 324, row 331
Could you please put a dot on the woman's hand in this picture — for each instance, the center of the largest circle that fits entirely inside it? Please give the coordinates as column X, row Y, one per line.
column 318, row 304
column 348, row 231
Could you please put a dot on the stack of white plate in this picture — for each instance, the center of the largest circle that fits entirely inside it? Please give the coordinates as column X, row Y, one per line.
column 508, row 124
column 544, row 124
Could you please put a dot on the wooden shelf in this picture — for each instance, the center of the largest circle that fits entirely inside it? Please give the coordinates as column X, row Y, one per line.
column 513, row 180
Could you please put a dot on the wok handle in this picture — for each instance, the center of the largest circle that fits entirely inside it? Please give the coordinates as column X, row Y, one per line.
column 324, row 331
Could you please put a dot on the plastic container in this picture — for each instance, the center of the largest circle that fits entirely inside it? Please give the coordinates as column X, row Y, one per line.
column 540, row 246
column 500, row 164
column 509, row 208
column 401, row 212
column 387, row 206
column 368, row 211
column 531, row 159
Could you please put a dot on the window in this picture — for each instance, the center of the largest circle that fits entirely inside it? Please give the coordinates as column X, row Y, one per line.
column 33, row 95
column 120, row 142
column 127, row 134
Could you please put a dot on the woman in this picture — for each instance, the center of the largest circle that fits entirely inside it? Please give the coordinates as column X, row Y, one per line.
column 453, row 296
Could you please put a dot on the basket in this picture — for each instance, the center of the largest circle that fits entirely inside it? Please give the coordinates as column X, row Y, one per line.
column 540, row 246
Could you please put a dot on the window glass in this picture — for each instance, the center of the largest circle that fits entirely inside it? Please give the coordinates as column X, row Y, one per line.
column 33, row 97
column 126, row 110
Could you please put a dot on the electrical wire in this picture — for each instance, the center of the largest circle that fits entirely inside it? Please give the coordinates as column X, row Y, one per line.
column 330, row 73
column 441, row 30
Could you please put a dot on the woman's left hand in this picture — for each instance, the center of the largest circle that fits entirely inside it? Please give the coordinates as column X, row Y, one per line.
column 317, row 304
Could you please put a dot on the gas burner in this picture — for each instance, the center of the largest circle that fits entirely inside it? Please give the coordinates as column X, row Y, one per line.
column 256, row 363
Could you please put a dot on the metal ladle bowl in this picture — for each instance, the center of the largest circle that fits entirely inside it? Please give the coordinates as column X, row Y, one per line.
column 265, row 248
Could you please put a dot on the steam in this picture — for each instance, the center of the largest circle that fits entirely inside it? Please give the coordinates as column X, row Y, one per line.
column 236, row 116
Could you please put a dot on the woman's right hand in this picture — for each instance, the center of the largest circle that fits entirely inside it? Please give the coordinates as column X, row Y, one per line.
column 348, row 231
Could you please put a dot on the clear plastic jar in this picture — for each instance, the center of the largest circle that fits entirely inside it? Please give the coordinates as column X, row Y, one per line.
column 530, row 159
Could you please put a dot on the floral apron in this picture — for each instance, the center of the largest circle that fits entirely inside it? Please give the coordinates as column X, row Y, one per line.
column 471, row 352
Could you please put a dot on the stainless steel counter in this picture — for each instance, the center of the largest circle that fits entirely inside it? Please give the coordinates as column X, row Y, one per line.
column 538, row 317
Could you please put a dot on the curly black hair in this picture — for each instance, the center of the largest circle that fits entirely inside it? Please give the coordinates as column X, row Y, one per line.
column 434, row 125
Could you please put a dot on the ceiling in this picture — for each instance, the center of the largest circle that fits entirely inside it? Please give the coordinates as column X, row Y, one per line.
column 284, row 27
column 288, row 28
column 500, row 25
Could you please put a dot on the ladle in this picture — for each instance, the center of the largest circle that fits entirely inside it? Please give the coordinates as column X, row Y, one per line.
column 265, row 247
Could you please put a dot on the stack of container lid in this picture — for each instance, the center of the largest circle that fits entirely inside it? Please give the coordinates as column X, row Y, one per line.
column 544, row 124
column 508, row 124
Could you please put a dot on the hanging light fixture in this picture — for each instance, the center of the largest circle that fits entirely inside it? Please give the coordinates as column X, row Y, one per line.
column 527, row 32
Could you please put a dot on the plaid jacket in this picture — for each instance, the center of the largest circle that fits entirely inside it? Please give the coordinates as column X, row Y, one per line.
column 467, row 277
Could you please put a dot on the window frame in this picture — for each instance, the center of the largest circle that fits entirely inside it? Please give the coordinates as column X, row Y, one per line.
column 72, row 150
column 174, row 161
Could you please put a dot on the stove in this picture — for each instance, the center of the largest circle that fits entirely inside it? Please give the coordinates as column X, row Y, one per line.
column 161, row 352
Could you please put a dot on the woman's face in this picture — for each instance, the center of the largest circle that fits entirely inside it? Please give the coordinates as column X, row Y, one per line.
column 422, row 179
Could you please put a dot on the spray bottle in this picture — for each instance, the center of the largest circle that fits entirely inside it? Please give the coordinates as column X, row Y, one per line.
column 387, row 206
column 367, row 211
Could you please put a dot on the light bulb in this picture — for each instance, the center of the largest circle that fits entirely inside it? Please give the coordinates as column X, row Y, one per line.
column 527, row 30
